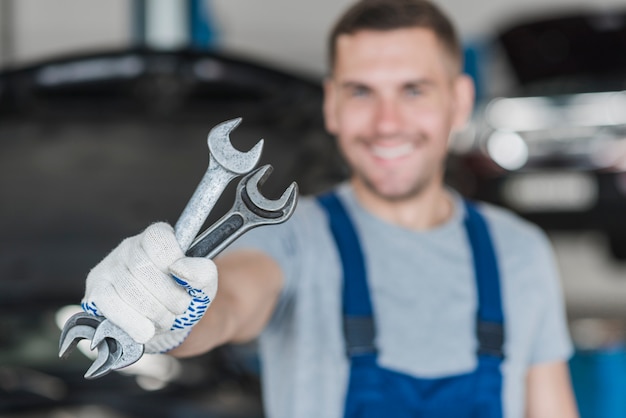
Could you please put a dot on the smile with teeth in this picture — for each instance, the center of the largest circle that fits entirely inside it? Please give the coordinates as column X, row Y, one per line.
column 391, row 152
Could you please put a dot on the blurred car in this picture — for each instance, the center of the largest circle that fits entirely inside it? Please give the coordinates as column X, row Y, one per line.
column 553, row 148
column 94, row 148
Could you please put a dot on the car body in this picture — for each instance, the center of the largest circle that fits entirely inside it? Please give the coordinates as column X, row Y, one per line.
column 552, row 147
column 94, row 148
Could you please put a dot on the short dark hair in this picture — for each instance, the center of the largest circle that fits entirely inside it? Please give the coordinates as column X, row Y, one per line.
column 396, row 14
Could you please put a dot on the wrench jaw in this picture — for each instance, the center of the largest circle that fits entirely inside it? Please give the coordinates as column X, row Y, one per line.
column 225, row 164
column 83, row 326
column 127, row 351
column 102, row 367
column 250, row 210
column 80, row 326
column 226, row 155
column 274, row 211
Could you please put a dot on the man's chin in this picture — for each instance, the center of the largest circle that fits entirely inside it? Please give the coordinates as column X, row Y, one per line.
column 393, row 193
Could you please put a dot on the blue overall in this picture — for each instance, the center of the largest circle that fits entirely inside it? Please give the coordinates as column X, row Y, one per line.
column 374, row 391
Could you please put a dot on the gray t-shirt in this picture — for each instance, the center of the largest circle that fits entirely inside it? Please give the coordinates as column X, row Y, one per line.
column 424, row 298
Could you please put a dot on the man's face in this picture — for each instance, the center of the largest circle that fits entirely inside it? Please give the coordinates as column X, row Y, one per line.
column 392, row 101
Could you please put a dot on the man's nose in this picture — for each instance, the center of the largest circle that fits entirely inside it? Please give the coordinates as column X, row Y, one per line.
column 388, row 117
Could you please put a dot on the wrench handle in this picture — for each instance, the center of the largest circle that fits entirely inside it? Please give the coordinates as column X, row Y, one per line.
column 205, row 196
column 211, row 242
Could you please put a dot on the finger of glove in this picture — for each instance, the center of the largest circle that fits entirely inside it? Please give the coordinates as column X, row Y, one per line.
column 138, row 326
column 139, row 276
column 196, row 273
column 157, row 241
column 162, row 248
column 149, row 264
column 130, row 290
column 160, row 244
column 137, row 283
column 191, row 273
column 164, row 342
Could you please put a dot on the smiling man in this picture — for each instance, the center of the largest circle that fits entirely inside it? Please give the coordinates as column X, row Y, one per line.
column 390, row 295
column 393, row 100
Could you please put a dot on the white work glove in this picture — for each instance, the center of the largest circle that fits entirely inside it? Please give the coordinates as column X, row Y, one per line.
column 147, row 287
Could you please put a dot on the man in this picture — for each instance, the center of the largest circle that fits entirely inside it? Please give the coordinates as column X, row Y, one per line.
column 389, row 296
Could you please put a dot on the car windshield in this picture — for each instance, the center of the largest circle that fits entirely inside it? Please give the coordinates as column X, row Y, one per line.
column 574, row 53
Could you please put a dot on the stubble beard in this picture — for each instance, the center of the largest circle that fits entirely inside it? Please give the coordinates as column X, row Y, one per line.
column 431, row 178
column 415, row 190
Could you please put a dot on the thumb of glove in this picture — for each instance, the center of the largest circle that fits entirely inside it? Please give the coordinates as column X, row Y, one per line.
column 197, row 273
column 199, row 277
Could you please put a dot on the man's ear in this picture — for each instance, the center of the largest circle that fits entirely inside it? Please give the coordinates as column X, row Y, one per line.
column 330, row 106
column 464, row 91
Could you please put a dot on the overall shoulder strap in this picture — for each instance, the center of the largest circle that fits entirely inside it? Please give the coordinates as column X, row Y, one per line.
column 490, row 317
column 359, row 329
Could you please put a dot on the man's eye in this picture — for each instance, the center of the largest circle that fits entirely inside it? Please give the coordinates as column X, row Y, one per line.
column 413, row 90
column 359, row 92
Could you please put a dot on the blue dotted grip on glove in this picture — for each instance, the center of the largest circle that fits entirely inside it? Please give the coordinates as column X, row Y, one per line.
column 196, row 309
column 90, row 308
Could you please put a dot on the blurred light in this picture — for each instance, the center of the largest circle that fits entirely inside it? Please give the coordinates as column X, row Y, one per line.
column 617, row 108
column 507, row 149
column 154, row 371
column 551, row 191
column 611, row 155
column 520, row 114
column 596, row 109
column 150, row 384
column 90, row 70
column 537, row 113
column 64, row 313
column 166, row 24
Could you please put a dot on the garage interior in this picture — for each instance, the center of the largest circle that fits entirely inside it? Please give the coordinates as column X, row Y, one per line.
column 104, row 112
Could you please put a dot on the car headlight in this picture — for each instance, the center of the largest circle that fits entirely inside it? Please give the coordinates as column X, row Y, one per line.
column 507, row 149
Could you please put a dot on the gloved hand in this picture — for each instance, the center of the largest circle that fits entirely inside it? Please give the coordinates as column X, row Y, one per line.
column 147, row 287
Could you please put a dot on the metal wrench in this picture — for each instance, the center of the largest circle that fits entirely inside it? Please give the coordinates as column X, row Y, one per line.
column 83, row 326
column 225, row 164
column 250, row 210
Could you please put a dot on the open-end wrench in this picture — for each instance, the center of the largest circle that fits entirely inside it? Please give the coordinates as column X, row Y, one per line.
column 225, row 164
column 251, row 209
column 83, row 326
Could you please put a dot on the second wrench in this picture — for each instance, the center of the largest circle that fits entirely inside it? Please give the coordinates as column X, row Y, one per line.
column 225, row 164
